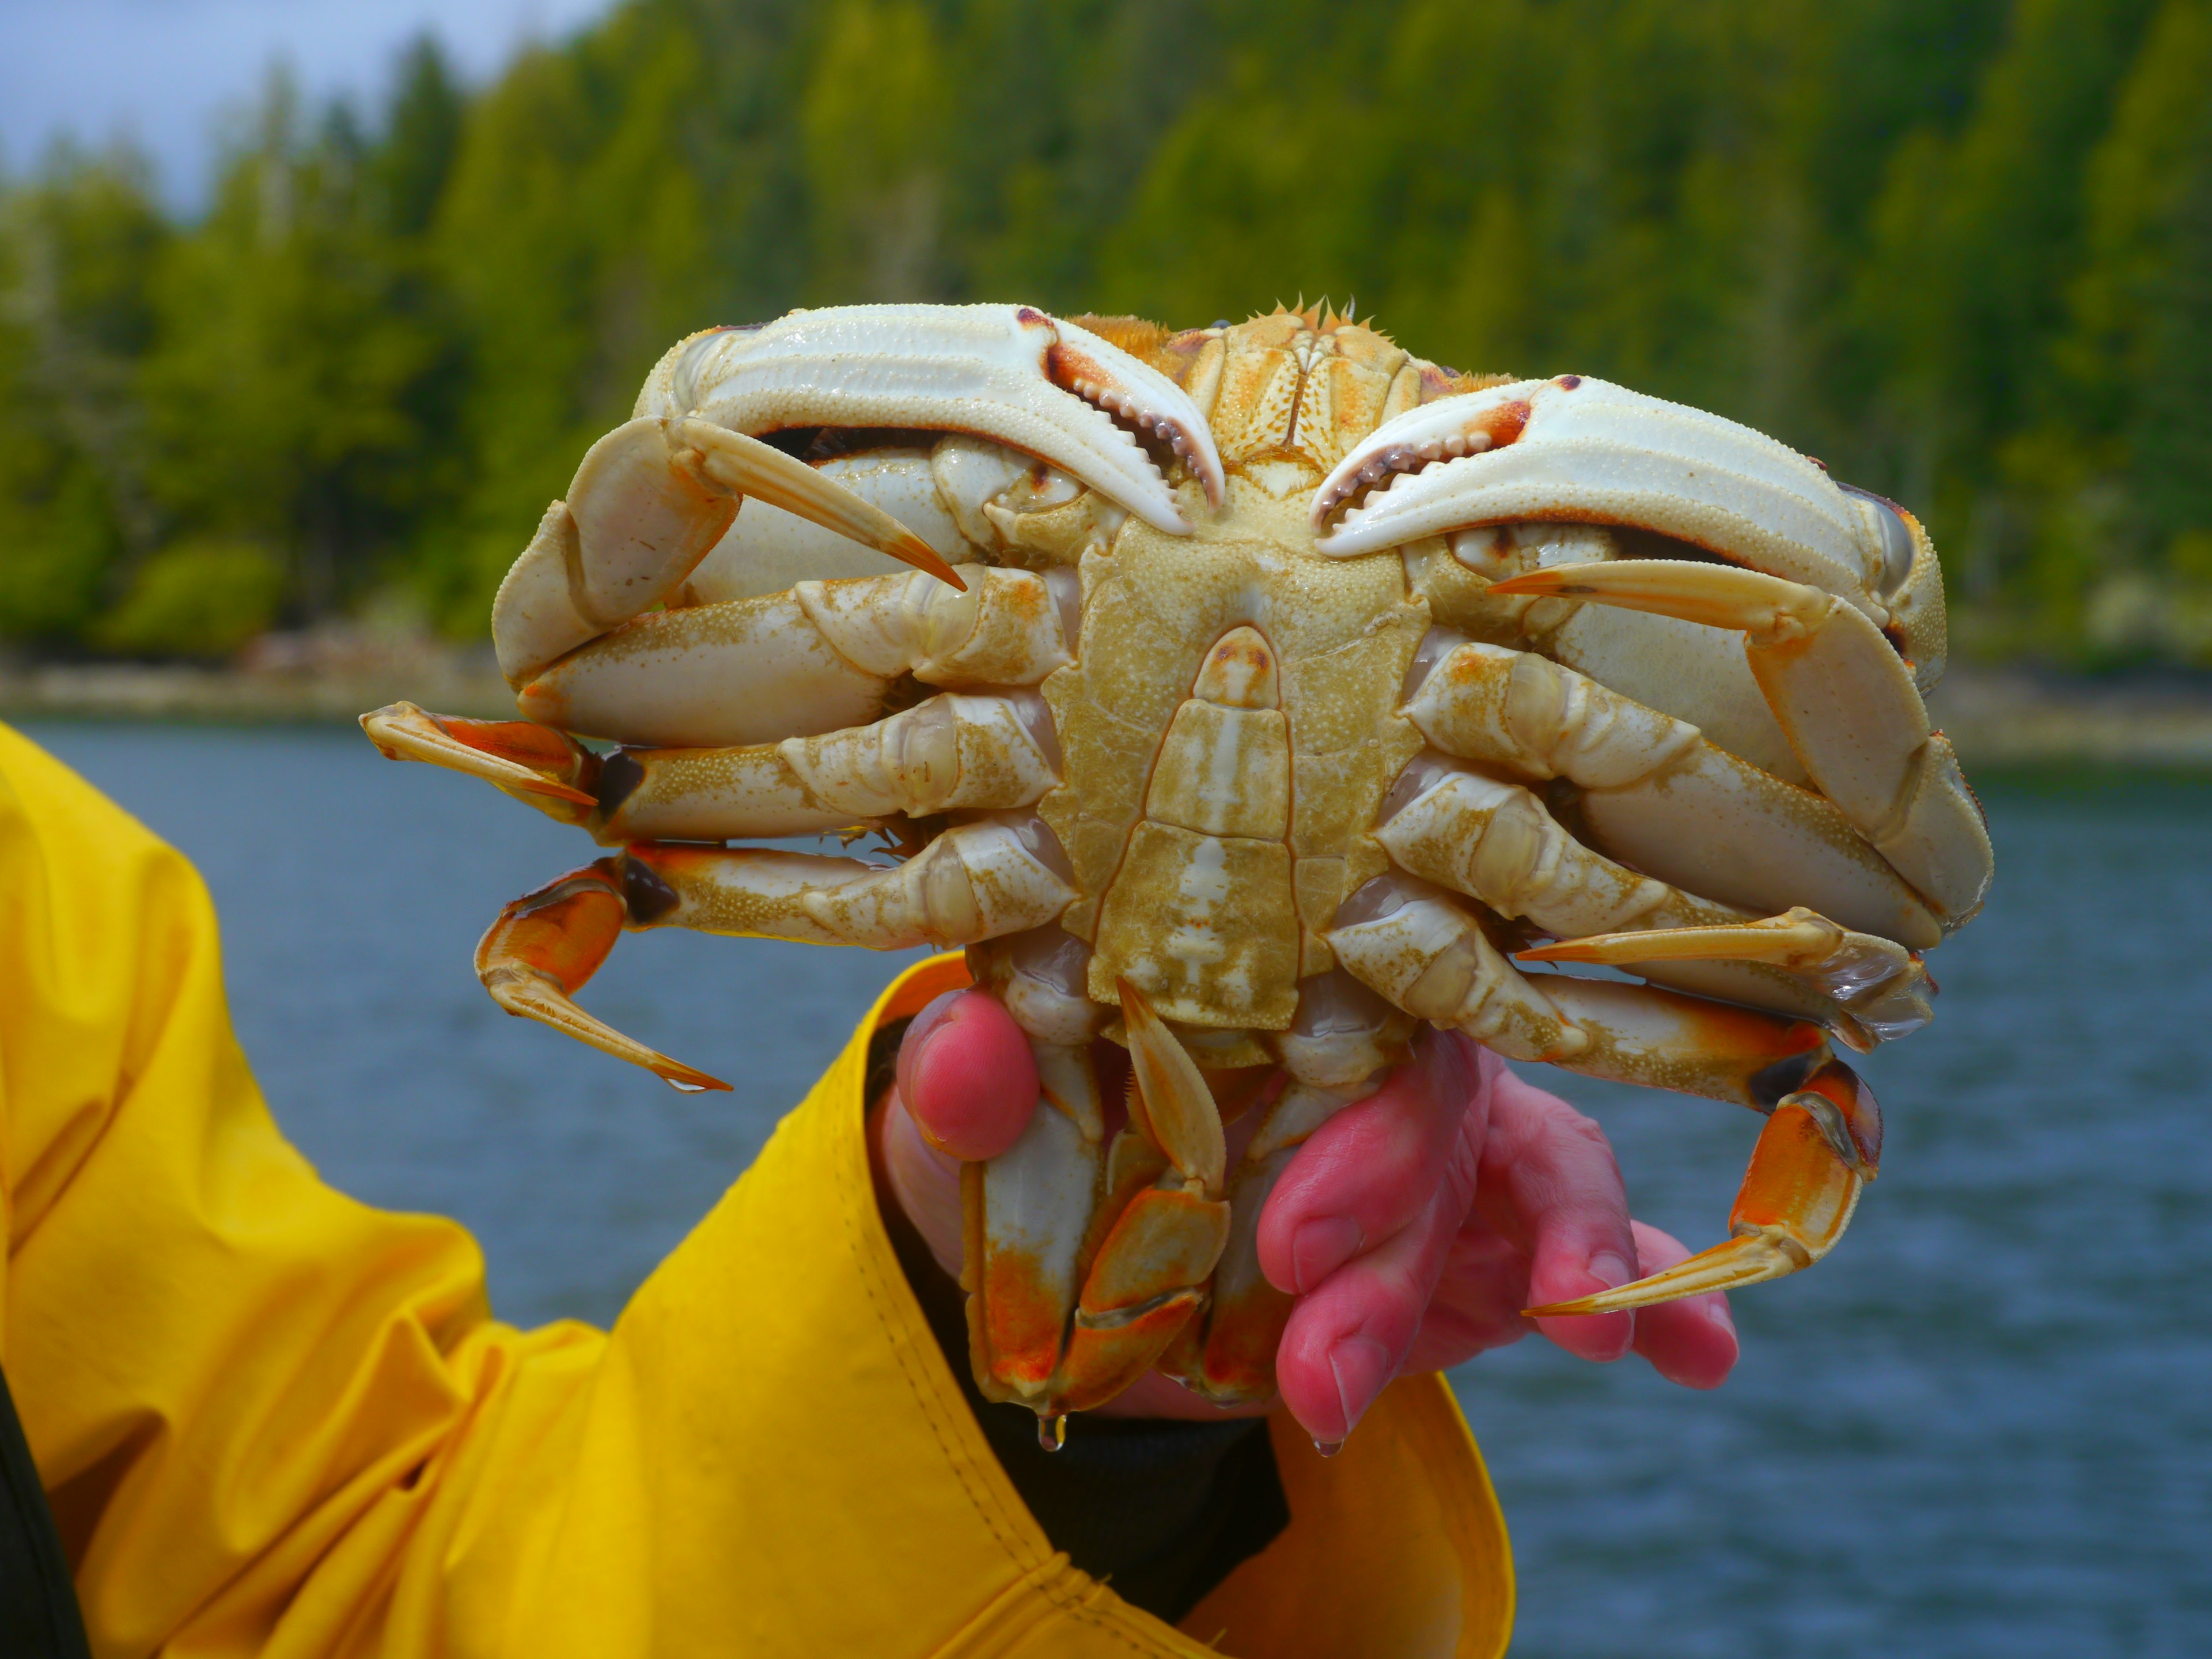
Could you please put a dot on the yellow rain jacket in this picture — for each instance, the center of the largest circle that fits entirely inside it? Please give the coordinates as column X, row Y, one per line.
column 273, row 1421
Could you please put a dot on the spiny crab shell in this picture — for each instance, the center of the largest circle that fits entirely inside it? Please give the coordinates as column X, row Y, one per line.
column 1239, row 696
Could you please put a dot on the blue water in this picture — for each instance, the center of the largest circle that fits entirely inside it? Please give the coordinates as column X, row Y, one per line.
column 1984, row 1426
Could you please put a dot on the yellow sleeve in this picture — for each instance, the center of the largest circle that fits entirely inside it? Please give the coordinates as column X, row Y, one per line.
column 274, row 1421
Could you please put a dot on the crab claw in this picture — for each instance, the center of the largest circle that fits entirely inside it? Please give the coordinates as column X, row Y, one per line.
column 543, row 947
column 1842, row 697
column 1009, row 372
column 1814, row 1158
column 1582, row 451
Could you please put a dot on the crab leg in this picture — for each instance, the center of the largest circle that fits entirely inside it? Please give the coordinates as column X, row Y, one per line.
column 649, row 500
column 1845, row 699
column 532, row 762
column 946, row 753
column 976, row 880
column 990, row 876
column 1338, row 1047
column 821, row 656
column 1881, row 981
column 767, row 549
column 1143, row 1241
column 1806, row 1172
column 1658, row 795
column 543, row 947
column 1497, row 843
column 1823, row 1140
column 1427, row 954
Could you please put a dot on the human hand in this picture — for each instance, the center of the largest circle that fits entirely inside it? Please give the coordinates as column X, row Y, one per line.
column 1413, row 1227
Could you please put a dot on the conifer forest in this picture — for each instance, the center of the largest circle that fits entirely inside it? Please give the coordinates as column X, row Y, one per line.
column 1962, row 250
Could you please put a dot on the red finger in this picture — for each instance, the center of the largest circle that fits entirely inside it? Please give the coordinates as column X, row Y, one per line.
column 1373, row 1167
column 966, row 1074
column 1550, row 1181
column 1477, row 1302
column 1349, row 1337
column 1692, row 1341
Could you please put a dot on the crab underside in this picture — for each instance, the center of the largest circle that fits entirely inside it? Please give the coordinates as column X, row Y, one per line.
column 1242, row 696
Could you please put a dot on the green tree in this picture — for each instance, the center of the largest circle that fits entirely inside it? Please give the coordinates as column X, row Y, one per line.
column 76, row 241
column 284, row 397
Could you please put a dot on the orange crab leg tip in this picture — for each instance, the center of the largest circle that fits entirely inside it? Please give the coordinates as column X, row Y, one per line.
column 1796, row 1199
column 545, row 946
column 507, row 753
column 1717, row 595
column 746, row 467
column 1110, row 1353
column 1747, row 1259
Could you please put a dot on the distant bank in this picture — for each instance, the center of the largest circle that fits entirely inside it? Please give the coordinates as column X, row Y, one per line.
column 1997, row 717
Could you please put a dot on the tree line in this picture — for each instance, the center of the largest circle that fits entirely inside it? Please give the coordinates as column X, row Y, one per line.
column 1960, row 249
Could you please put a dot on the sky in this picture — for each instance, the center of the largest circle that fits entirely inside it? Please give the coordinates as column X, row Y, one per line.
column 164, row 72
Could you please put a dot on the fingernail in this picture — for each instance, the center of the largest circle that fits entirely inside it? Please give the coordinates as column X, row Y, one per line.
column 1609, row 1270
column 1361, row 1366
column 1320, row 1247
column 918, row 1035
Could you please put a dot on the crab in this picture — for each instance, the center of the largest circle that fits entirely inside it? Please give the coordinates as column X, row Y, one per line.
column 1240, row 697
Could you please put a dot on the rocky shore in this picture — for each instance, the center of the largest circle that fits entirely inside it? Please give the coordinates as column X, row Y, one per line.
column 1998, row 718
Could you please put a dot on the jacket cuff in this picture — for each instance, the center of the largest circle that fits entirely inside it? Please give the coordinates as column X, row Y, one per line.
column 775, row 1414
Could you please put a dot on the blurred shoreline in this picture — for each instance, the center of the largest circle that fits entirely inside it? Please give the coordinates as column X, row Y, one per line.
column 1997, row 717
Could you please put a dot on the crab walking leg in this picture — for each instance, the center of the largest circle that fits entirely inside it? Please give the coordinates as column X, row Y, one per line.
column 1032, row 1217
column 949, row 753
column 1340, row 1045
column 990, row 876
column 1418, row 949
column 1026, row 1218
column 1151, row 1271
column 821, row 656
column 1807, row 1173
column 648, row 501
column 1497, row 843
column 945, row 754
column 535, row 764
column 1421, row 950
column 1883, row 985
column 1659, row 796
column 1082, row 1271
column 545, row 945
column 1844, row 697
column 975, row 880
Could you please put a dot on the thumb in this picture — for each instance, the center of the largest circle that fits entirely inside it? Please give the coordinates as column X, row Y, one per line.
column 966, row 1076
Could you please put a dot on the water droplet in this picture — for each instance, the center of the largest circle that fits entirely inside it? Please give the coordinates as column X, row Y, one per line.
column 1328, row 1448
column 1052, row 1432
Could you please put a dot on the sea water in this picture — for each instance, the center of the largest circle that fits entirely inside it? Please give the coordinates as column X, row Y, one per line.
column 1982, row 1427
